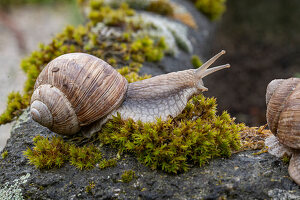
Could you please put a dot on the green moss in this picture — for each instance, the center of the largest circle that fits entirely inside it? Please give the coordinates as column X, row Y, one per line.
column 162, row 7
column 110, row 16
column 47, row 153
column 54, row 152
column 88, row 189
column 145, row 48
column 286, row 159
column 196, row 62
column 127, row 176
column 213, row 9
column 107, row 163
column 192, row 138
column 15, row 104
column 84, row 157
column 4, row 154
column 96, row 4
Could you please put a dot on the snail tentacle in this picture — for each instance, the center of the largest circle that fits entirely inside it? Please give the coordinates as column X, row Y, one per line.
column 214, row 69
column 203, row 68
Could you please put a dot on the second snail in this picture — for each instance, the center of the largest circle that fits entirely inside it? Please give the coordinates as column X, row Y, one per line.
column 283, row 117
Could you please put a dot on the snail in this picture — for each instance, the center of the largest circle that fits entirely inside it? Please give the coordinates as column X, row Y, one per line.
column 283, row 117
column 80, row 92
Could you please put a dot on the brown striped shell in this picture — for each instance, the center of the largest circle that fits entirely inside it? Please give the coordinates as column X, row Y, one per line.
column 283, row 110
column 75, row 90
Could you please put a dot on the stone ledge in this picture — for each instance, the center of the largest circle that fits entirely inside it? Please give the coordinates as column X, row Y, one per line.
column 242, row 176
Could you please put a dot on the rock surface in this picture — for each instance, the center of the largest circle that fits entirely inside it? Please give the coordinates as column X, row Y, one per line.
column 243, row 176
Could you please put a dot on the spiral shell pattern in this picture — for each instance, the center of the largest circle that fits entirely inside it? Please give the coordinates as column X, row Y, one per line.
column 283, row 111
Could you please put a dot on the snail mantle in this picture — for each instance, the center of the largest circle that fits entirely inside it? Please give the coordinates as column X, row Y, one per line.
column 79, row 91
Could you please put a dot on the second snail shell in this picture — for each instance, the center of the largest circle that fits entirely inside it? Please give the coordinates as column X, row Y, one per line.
column 283, row 110
column 283, row 116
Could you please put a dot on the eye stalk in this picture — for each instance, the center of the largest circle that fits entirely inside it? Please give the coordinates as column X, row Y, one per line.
column 203, row 71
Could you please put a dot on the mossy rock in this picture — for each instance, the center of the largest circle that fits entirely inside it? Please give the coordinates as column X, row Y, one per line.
column 242, row 176
column 129, row 40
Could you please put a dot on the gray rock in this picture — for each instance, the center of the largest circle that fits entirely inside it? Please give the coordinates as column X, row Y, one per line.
column 243, row 176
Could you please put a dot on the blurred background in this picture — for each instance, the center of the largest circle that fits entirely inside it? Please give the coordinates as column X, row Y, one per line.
column 24, row 24
column 261, row 37
column 262, row 40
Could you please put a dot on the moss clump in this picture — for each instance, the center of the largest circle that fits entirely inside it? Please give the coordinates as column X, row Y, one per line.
column 127, row 176
column 286, row 158
column 4, row 154
column 107, row 163
column 15, row 103
column 47, row 153
column 213, row 9
column 145, row 48
column 192, row 138
column 162, row 7
column 109, row 16
column 196, row 62
column 88, row 189
column 84, row 157
column 54, row 152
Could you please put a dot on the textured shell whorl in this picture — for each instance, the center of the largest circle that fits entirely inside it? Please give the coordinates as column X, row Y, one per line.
column 283, row 111
column 51, row 108
column 88, row 87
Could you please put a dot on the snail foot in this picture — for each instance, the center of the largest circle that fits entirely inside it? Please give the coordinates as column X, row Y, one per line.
column 277, row 149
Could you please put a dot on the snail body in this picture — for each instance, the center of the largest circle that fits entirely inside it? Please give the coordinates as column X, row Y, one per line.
column 78, row 91
column 283, row 117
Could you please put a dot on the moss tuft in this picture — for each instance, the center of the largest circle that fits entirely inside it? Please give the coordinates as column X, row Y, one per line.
column 286, row 158
column 162, row 7
column 192, row 138
column 196, row 62
column 84, row 157
column 15, row 104
column 128, row 176
column 107, row 163
column 108, row 15
column 4, row 154
column 47, row 153
column 145, row 49
column 88, row 189
column 54, row 152
column 213, row 9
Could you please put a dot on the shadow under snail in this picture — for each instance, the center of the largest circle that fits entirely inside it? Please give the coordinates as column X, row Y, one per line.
column 79, row 91
column 283, row 117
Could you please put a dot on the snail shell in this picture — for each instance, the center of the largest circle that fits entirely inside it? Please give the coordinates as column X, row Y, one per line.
column 283, row 110
column 283, row 117
column 75, row 90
